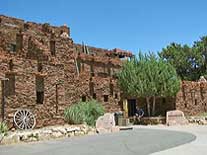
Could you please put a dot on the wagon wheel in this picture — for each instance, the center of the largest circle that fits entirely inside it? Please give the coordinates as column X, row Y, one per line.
column 24, row 119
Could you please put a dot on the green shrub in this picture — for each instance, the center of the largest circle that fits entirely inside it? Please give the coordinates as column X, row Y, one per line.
column 84, row 112
column 3, row 128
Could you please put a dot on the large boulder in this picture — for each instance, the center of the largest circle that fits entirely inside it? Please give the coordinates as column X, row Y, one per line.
column 176, row 117
column 106, row 124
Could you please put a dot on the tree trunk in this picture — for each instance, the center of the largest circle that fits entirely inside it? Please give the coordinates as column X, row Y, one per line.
column 153, row 105
column 148, row 106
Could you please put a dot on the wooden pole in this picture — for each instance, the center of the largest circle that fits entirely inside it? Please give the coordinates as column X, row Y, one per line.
column 56, row 90
column 3, row 98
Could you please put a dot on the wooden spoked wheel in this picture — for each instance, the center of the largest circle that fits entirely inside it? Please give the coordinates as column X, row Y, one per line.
column 24, row 119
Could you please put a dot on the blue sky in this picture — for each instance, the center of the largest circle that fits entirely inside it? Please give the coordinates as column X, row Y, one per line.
column 146, row 25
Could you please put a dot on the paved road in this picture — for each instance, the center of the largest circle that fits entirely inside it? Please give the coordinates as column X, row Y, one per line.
column 134, row 142
column 197, row 147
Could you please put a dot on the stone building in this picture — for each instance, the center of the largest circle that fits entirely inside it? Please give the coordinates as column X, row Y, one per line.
column 45, row 71
column 42, row 70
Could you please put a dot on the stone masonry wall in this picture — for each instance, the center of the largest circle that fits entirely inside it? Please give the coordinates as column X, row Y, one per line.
column 29, row 51
column 191, row 99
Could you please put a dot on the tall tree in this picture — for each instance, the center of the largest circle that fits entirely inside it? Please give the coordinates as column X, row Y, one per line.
column 189, row 62
column 200, row 50
column 149, row 77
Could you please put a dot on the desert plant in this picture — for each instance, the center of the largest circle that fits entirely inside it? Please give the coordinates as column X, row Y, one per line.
column 3, row 128
column 84, row 112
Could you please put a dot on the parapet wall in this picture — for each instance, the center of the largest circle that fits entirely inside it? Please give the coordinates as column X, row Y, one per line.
column 45, row 28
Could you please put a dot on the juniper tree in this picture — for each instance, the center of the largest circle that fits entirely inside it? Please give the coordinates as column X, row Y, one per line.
column 149, row 77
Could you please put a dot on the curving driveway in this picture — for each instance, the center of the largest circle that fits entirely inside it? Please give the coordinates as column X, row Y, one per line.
column 137, row 141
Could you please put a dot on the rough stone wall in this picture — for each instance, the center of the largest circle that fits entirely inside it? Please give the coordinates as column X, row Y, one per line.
column 25, row 52
column 191, row 99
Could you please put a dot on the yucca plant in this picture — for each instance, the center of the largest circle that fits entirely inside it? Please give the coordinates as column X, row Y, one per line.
column 84, row 112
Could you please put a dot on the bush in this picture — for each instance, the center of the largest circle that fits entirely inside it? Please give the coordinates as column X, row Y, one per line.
column 3, row 128
column 84, row 112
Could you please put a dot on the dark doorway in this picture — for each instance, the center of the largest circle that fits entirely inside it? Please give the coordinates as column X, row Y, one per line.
column 131, row 107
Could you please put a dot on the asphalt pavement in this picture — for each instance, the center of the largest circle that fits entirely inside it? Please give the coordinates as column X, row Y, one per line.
column 138, row 141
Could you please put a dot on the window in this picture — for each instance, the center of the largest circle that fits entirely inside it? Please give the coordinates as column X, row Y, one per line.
column 196, row 102
column 10, row 84
column 11, row 65
column 109, row 71
column 19, row 41
column 83, row 98
column 39, row 67
column 40, row 97
column 52, row 47
column 186, row 105
column 39, row 90
column 106, row 98
column 92, row 70
column 94, row 96
column 26, row 26
column 91, row 87
column 12, row 48
column 116, row 96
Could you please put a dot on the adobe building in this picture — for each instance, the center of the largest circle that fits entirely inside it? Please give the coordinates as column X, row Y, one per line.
column 42, row 70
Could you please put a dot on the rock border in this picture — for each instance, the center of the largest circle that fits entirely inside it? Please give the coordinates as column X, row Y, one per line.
column 46, row 133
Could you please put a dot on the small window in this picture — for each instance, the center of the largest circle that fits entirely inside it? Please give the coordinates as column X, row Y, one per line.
column 52, row 47
column 196, row 102
column 109, row 71
column 106, row 98
column 92, row 71
column 40, row 97
column 116, row 96
column 11, row 64
column 91, row 88
column 39, row 67
column 26, row 26
column 10, row 84
column 12, row 48
column 39, row 90
column 19, row 41
column 94, row 96
column 83, row 98
column 186, row 105
column 164, row 100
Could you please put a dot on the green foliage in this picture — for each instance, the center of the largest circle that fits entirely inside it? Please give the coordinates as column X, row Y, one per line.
column 3, row 128
column 189, row 62
column 81, row 112
column 150, row 77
